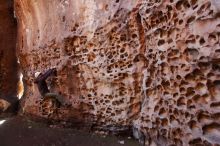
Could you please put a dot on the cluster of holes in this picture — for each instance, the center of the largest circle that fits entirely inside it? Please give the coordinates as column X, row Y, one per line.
column 182, row 86
column 96, row 64
column 147, row 61
column 48, row 107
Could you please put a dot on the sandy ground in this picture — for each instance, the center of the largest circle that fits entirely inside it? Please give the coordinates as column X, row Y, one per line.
column 18, row 131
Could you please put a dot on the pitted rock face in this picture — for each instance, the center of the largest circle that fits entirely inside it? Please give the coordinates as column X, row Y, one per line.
column 153, row 64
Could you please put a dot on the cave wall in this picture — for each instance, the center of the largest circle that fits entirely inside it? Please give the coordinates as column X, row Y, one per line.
column 8, row 59
column 153, row 64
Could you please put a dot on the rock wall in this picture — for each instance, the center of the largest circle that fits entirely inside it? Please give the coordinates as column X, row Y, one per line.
column 151, row 64
column 8, row 59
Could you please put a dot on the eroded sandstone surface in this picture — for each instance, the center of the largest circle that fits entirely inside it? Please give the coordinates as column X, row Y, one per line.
column 151, row 64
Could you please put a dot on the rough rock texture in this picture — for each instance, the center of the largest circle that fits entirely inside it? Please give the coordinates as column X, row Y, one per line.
column 8, row 60
column 153, row 64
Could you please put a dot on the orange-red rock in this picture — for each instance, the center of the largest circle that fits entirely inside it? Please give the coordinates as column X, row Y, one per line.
column 152, row 64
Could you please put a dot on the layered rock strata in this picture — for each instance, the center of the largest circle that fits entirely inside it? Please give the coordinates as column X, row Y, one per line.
column 151, row 64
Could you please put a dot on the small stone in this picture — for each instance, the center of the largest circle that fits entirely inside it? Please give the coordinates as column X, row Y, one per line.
column 121, row 141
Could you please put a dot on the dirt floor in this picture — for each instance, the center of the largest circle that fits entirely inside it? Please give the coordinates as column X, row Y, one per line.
column 18, row 131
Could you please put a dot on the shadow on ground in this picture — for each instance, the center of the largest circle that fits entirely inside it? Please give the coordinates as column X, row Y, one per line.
column 18, row 131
